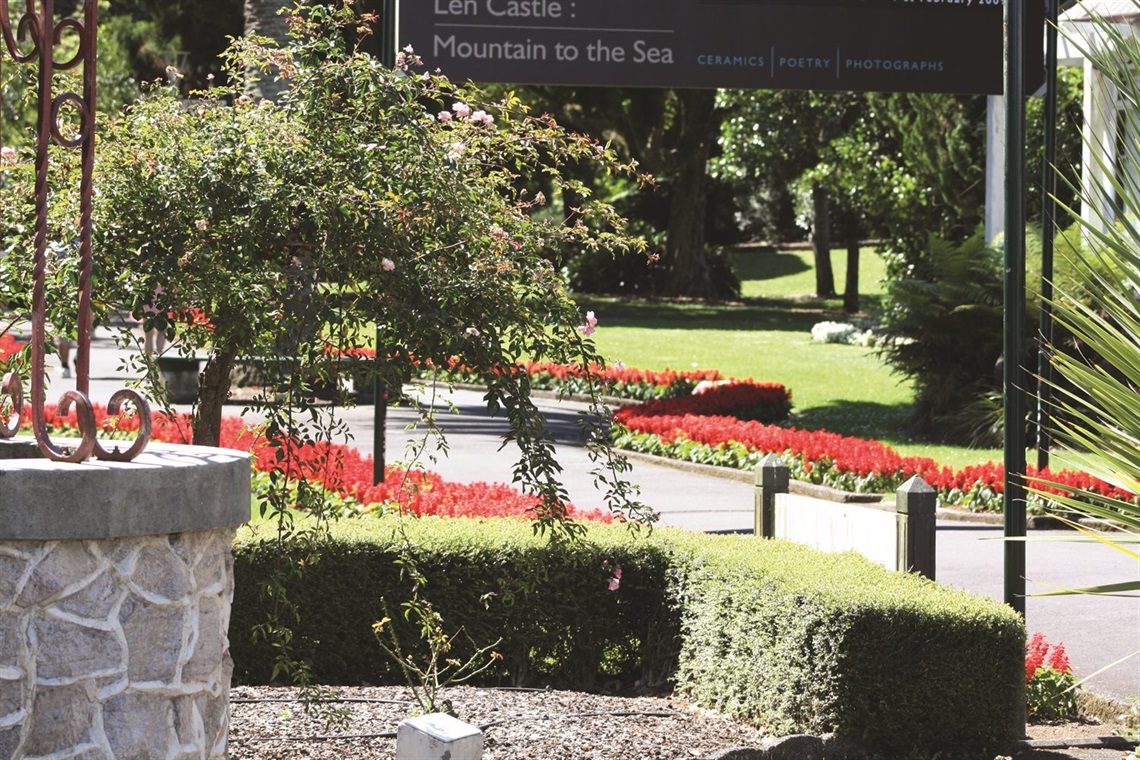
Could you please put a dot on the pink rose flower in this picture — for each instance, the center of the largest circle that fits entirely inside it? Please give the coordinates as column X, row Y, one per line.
column 615, row 581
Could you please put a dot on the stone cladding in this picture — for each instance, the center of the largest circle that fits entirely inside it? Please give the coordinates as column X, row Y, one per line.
column 116, row 648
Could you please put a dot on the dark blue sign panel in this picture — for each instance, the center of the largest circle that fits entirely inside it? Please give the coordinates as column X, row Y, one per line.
column 854, row 45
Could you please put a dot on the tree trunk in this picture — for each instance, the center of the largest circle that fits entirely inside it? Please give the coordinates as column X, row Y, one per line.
column 821, row 242
column 851, row 287
column 261, row 17
column 213, row 390
column 686, row 268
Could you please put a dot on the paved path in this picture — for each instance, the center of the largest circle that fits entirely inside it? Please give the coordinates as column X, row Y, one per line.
column 1095, row 631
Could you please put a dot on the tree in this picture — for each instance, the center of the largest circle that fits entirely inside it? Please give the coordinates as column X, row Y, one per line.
column 186, row 34
column 368, row 200
column 685, row 264
column 940, row 143
column 772, row 138
column 265, row 18
column 671, row 134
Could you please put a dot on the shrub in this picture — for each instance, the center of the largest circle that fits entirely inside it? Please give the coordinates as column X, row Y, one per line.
column 901, row 664
column 551, row 604
column 943, row 329
column 758, row 629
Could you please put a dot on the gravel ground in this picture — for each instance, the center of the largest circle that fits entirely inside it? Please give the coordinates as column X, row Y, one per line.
column 271, row 724
column 544, row 725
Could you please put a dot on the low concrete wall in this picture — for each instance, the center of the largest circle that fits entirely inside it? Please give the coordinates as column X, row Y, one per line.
column 901, row 537
column 838, row 527
column 116, row 581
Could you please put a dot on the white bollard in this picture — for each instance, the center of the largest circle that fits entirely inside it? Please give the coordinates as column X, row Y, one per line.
column 438, row 737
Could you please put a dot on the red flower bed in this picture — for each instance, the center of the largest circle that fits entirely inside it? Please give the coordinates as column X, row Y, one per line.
column 615, row 380
column 701, row 430
column 742, row 400
column 611, row 375
column 340, row 469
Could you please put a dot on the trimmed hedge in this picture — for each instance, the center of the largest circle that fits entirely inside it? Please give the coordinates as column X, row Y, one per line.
column 780, row 635
column 805, row 642
column 551, row 605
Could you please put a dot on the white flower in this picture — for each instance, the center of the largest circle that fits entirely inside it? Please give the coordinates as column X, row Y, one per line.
column 387, row 265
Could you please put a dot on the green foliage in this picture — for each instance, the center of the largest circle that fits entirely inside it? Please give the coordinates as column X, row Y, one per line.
column 943, row 329
column 662, row 131
column 244, row 228
column 1070, row 120
column 905, row 666
column 768, row 140
column 1097, row 423
column 116, row 80
column 368, row 199
column 429, row 675
column 762, row 629
column 548, row 603
column 189, row 35
column 1051, row 695
column 941, row 142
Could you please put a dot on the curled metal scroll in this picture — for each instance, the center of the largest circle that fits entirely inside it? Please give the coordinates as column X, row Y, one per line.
column 40, row 34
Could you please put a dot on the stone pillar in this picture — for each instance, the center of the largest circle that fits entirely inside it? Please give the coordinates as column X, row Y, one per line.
column 116, row 581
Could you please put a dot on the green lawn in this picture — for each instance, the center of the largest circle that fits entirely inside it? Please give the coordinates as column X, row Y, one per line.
column 780, row 274
column 844, row 389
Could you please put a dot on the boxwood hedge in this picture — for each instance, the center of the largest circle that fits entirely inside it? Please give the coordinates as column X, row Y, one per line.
column 772, row 632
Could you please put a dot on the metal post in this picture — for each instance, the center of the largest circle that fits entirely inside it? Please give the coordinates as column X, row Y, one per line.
column 388, row 33
column 380, row 389
column 1048, row 230
column 379, row 418
column 772, row 477
column 916, row 504
column 1014, row 287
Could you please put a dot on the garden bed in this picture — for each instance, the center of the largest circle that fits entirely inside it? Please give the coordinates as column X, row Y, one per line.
column 269, row 723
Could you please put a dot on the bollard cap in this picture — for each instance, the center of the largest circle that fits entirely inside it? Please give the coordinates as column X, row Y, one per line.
column 916, row 497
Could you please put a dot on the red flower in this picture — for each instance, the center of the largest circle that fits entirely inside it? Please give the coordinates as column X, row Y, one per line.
column 1035, row 652
column 9, row 346
column 1059, row 661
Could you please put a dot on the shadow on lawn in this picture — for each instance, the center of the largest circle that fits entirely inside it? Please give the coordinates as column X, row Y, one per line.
column 767, row 264
column 754, row 314
column 861, row 419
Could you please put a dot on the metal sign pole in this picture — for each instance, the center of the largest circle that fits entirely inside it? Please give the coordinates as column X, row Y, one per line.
column 1014, row 333
column 379, row 387
column 1048, row 230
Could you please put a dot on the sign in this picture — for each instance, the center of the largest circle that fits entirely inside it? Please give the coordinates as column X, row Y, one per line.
column 852, row 45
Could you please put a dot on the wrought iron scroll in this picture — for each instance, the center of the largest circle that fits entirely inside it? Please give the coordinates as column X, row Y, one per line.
column 39, row 35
